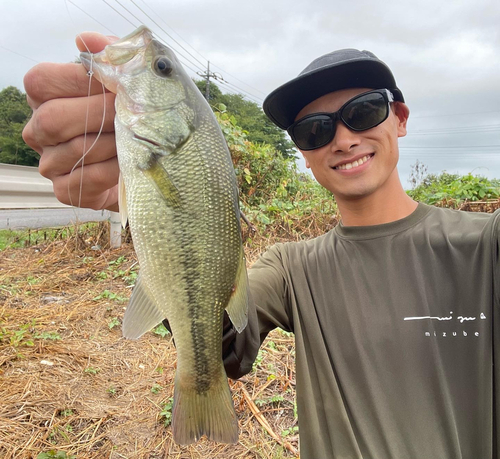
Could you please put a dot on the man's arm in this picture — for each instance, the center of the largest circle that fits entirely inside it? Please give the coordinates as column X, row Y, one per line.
column 57, row 93
column 269, row 308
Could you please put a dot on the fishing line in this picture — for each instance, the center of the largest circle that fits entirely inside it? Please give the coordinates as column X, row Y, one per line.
column 90, row 73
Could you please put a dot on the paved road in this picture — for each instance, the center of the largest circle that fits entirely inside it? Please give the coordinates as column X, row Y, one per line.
column 48, row 218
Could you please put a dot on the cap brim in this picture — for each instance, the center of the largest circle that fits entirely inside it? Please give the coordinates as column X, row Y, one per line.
column 285, row 102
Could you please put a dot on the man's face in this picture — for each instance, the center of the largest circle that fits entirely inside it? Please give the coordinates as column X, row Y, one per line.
column 375, row 150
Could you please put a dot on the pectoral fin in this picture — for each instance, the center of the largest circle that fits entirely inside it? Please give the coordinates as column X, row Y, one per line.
column 142, row 314
column 122, row 201
column 159, row 177
column 237, row 307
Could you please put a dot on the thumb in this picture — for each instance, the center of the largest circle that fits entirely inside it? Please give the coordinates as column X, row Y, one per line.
column 93, row 42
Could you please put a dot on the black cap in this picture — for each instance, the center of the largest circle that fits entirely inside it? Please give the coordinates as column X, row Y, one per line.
column 342, row 69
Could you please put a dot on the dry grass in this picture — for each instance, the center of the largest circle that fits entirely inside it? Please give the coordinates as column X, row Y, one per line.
column 70, row 383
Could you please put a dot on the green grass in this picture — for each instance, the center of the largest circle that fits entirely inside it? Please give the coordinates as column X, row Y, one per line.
column 25, row 238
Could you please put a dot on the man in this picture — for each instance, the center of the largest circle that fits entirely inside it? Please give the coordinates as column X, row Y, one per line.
column 393, row 311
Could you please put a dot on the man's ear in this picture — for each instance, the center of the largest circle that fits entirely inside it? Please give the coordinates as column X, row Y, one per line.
column 402, row 113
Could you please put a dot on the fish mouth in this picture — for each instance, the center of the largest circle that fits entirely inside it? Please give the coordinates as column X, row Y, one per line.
column 144, row 139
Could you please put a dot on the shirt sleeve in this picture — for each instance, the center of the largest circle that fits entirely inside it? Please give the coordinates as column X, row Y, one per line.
column 496, row 257
column 268, row 309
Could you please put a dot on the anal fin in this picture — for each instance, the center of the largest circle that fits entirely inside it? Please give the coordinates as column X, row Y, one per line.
column 237, row 307
column 141, row 314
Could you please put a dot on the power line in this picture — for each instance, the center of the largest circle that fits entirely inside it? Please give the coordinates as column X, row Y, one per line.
column 161, row 28
column 162, row 20
column 19, row 54
column 91, row 17
column 455, row 114
column 245, row 92
column 194, row 57
column 138, row 19
column 181, row 56
column 452, row 132
column 113, row 8
column 246, row 84
column 236, row 90
column 455, row 147
column 236, row 78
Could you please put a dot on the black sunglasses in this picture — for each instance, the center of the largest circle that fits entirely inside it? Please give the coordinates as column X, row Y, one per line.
column 360, row 113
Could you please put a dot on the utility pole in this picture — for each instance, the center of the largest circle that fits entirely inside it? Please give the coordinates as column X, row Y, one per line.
column 207, row 77
column 207, row 87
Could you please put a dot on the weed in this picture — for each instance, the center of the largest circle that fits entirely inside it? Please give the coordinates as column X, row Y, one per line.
column 92, row 370
column 166, row 412
column 157, row 388
column 131, row 278
column 107, row 294
column 290, row 431
column 114, row 322
column 161, row 330
column 275, row 399
column 271, row 345
column 48, row 335
column 258, row 360
column 21, row 337
column 53, row 454
column 102, row 275
column 111, row 390
column 121, row 259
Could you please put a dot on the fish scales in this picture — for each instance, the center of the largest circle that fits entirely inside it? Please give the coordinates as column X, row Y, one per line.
column 182, row 206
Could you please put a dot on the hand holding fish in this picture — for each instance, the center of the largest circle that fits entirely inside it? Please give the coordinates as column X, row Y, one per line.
column 58, row 95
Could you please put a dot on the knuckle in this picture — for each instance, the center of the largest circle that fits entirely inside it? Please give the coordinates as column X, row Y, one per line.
column 61, row 191
column 45, row 168
column 28, row 136
column 45, row 121
column 34, row 81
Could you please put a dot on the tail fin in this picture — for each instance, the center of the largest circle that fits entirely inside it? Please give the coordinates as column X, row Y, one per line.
column 209, row 413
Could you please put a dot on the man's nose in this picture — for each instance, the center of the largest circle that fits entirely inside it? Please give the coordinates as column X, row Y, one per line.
column 345, row 139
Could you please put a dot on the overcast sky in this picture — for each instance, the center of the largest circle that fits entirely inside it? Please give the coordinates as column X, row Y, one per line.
column 445, row 55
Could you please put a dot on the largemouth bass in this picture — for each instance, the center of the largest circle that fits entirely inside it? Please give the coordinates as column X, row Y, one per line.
column 178, row 190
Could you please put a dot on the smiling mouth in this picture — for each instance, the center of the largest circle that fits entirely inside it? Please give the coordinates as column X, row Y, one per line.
column 354, row 164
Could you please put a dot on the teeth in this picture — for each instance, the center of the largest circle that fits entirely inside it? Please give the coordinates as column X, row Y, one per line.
column 354, row 163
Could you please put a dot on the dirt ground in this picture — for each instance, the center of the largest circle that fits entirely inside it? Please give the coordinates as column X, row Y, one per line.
column 71, row 386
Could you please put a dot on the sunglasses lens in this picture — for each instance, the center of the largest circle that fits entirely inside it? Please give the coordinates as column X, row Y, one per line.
column 313, row 132
column 365, row 112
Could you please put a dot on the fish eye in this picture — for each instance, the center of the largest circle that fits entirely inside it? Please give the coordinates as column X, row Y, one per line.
column 163, row 66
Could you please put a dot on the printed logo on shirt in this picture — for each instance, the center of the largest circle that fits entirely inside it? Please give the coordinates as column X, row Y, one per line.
column 452, row 333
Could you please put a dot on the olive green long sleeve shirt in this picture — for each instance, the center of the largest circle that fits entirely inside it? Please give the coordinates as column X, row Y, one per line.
column 397, row 335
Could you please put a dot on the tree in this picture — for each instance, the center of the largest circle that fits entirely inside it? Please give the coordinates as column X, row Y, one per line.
column 251, row 118
column 14, row 114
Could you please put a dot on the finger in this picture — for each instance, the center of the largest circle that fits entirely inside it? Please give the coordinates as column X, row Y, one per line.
column 29, row 137
column 61, row 159
column 48, row 81
column 58, row 121
column 90, row 188
column 93, row 42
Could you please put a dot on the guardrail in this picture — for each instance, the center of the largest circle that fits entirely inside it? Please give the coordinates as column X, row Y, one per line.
column 22, row 187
